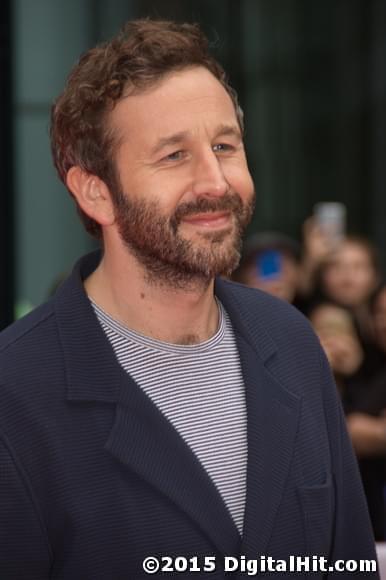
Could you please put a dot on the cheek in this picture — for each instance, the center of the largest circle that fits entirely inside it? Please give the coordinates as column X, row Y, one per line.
column 291, row 273
column 331, row 277
column 367, row 278
column 239, row 179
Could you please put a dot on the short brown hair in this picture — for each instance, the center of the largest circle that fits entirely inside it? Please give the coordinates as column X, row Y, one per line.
column 138, row 57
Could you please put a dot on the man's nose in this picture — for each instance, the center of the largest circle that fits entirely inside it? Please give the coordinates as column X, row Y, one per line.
column 209, row 179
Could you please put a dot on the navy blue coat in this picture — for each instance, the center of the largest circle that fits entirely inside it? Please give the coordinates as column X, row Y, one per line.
column 93, row 478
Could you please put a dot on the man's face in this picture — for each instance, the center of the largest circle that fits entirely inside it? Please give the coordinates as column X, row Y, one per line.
column 185, row 191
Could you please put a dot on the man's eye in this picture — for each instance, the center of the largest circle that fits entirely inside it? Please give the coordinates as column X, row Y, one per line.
column 175, row 156
column 222, row 147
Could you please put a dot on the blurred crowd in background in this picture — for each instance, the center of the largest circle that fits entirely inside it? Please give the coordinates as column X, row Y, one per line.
column 335, row 279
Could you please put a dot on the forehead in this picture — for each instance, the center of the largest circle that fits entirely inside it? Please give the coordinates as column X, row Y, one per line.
column 351, row 251
column 184, row 100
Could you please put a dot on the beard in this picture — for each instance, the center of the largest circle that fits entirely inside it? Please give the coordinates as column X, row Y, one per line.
column 168, row 257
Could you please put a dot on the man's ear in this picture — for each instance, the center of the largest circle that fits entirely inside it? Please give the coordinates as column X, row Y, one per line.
column 92, row 195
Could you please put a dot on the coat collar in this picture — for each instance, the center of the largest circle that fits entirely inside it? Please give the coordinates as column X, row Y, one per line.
column 92, row 372
column 143, row 440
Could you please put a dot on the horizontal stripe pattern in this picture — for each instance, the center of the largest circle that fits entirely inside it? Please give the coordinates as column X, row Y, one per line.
column 200, row 389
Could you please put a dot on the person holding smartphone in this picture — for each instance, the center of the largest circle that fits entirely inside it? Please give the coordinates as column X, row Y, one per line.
column 271, row 262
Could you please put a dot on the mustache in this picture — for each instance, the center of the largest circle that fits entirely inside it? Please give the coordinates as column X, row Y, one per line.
column 229, row 202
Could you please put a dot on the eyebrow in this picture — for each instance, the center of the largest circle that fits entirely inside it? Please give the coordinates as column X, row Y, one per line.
column 228, row 131
column 180, row 137
column 175, row 139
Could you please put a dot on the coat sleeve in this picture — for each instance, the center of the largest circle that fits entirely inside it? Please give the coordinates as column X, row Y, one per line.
column 353, row 536
column 24, row 549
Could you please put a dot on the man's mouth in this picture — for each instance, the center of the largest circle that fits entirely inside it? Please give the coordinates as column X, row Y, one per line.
column 217, row 219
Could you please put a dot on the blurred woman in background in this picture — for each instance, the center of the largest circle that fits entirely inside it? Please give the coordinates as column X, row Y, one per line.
column 363, row 398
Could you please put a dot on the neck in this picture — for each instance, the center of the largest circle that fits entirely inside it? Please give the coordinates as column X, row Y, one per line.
column 167, row 312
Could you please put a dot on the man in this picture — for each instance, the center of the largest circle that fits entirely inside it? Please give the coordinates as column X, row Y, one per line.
column 148, row 410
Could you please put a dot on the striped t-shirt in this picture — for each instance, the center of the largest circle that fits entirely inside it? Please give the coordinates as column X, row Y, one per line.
column 200, row 389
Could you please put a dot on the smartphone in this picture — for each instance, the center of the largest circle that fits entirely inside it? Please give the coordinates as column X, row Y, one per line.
column 269, row 264
column 331, row 218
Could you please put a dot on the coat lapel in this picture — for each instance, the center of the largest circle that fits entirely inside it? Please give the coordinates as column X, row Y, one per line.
column 141, row 437
column 272, row 414
column 147, row 443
